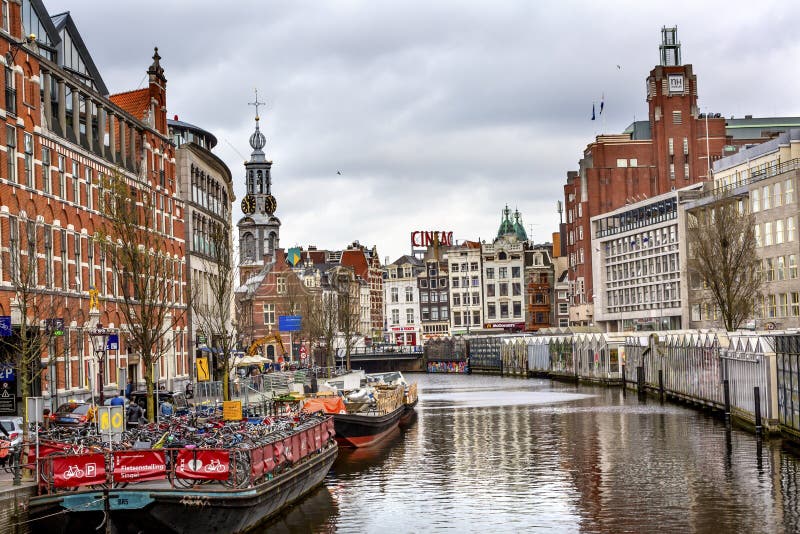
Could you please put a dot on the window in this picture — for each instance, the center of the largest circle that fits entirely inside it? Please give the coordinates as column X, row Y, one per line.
column 445, row 313
column 456, row 299
column 45, row 169
column 792, row 263
column 281, row 283
column 490, row 290
column 473, row 266
column 755, row 200
column 394, row 292
column 515, row 271
column 11, row 154
column 790, row 229
column 671, row 146
column 685, row 146
column 780, row 270
column 423, row 297
column 517, row 307
column 433, row 283
column 476, row 281
column 788, row 191
column 685, row 171
column 456, row 318
column 503, row 272
column 269, row 314
column 491, row 310
column 765, row 198
column 516, row 289
column 395, row 316
column 622, row 162
column 490, row 273
column 423, row 283
column 454, row 282
column 504, row 310
column 11, row 91
column 795, row 311
column 409, row 315
column 778, row 232
column 563, row 308
column 5, row 15
column 676, row 118
column 409, row 294
column 89, row 187
column 29, row 181
column 777, row 195
column 504, row 289
column 634, row 162
column 767, row 234
column 757, row 234
column 476, row 299
column 62, row 177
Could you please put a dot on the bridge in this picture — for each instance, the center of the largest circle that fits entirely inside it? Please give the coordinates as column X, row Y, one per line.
column 382, row 358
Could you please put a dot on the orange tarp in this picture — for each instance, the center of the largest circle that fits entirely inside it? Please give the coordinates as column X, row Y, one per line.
column 327, row 405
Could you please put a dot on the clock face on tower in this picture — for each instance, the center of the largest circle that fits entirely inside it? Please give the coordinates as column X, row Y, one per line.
column 248, row 205
column 271, row 204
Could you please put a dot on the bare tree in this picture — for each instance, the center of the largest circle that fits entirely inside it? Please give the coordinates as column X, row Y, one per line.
column 348, row 309
column 321, row 317
column 215, row 306
column 153, row 299
column 37, row 309
column 722, row 251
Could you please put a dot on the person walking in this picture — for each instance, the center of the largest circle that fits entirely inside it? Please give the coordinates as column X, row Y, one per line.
column 128, row 389
column 117, row 401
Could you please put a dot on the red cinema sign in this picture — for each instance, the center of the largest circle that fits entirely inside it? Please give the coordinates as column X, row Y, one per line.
column 79, row 470
column 135, row 466
column 203, row 464
column 427, row 239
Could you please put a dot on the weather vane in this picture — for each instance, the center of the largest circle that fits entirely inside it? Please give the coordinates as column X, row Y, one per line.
column 256, row 104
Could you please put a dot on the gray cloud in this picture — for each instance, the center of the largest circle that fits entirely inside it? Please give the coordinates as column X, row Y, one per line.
column 437, row 113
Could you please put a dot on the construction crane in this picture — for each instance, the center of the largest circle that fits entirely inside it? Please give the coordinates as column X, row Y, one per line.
column 275, row 338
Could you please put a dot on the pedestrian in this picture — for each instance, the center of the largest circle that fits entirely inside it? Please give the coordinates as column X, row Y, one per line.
column 117, row 401
column 166, row 408
column 128, row 389
column 135, row 414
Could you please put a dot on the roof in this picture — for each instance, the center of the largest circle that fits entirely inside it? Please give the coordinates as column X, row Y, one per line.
column 746, row 154
column 757, row 127
column 136, row 102
column 181, row 125
column 639, row 130
column 405, row 259
column 357, row 260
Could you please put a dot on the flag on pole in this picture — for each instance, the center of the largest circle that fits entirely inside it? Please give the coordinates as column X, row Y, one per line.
column 293, row 256
column 602, row 102
column 592, row 110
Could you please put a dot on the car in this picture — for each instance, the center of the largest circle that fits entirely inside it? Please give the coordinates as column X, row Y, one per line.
column 176, row 398
column 73, row 413
column 11, row 430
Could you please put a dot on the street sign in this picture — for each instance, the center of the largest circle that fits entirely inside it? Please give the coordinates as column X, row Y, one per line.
column 55, row 326
column 8, row 398
column 35, row 408
column 202, row 369
column 290, row 323
column 111, row 422
column 102, row 331
column 5, row 325
column 232, row 410
column 7, row 373
column 113, row 342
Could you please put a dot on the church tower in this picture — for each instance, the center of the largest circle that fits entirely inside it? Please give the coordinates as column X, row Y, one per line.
column 259, row 229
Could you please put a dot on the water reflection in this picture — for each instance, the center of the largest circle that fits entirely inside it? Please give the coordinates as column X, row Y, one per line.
column 504, row 455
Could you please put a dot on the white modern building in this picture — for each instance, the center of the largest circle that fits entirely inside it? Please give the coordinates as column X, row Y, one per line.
column 402, row 303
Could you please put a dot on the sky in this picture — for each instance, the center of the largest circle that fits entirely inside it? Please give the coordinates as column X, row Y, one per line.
column 436, row 114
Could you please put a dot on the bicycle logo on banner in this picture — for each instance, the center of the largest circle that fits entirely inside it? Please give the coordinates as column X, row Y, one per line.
column 76, row 472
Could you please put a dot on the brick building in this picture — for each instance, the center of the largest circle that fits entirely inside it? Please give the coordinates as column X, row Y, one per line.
column 64, row 136
column 674, row 148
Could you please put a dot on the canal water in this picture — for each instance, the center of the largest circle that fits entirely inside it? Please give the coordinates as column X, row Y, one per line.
column 491, row 454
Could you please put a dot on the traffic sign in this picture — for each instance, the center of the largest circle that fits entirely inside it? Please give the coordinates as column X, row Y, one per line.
column 290, row 323
column 113, row 342
column 112, row 421
column 7, row 373
column 202, row 369
column 8, row 399
column 5, row 325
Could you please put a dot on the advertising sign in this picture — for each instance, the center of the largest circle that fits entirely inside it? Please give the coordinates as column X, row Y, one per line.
column 290, row 323
column 427, row 239
column 675, row 83
column 232, row 410
column 79, row 470
column 136, row 466
column 202, row 464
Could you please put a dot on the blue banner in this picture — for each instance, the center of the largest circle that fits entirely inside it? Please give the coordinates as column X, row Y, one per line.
column 290, row 323
column 5, row 325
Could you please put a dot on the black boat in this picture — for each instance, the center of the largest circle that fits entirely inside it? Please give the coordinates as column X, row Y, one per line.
column 361, row 429
column 161, row 507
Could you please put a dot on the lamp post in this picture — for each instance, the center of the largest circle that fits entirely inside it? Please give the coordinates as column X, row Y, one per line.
column 99, row 337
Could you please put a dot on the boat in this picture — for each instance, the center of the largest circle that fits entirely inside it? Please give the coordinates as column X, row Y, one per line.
column 261, row 482
column 364, row 416
column 410, row 397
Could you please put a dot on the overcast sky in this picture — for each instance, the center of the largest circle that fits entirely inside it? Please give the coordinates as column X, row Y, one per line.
column 437, row 113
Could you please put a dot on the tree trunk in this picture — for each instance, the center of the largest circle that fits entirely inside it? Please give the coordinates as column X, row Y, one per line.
column 148, row 380
column 226, row 381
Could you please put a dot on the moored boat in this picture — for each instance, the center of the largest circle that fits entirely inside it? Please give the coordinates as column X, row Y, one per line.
column 225, row 490
column 363, row 417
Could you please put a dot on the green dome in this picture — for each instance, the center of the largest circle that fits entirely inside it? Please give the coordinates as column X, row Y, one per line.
column 506, row 226
column 518, row 228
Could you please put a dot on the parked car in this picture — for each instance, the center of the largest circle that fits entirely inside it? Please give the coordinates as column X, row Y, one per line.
column 176, row 398
column 11, row 429
column 73, row 413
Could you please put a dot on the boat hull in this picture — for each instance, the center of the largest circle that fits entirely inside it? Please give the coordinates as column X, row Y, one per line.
column 217, row 511
column 360, row 430
column 408, row 413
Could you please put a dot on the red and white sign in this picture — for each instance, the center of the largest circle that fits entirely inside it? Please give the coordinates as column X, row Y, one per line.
column 135, row 466
column 427, row 239
column 505, row 325
column 79, row 470
column 404, row 328
column 202, row 464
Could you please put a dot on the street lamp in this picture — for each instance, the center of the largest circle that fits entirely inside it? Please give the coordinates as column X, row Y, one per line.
column 99, row 337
